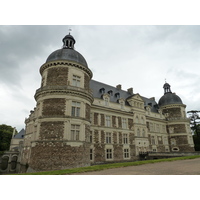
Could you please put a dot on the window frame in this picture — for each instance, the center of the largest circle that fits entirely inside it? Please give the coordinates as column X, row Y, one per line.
column 76, row 109
column 76, row 80
column 125, row 138
column 75, row 132
column 126, row 153
column 109, row 154
column 108, row 121
column 108, row 138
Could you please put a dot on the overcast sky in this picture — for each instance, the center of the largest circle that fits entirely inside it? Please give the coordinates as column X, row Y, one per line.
column 141, row 57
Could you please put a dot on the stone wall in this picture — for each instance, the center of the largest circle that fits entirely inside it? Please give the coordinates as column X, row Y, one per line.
column 95, row 118
column 57, row 76
column 177, row 128
column 51, row 130
column 53, row 107
column 113, row 121
column 173, row 112
column 86, row 81
column 56, row 155
column 87, row 112
column 130, row 123
column 102, row 120
column 120, row 122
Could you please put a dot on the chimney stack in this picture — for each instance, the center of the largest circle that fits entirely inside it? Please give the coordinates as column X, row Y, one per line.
column 119, row 87
column 130, row 91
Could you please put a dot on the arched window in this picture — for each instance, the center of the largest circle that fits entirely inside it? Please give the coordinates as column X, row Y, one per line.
column 14, row 163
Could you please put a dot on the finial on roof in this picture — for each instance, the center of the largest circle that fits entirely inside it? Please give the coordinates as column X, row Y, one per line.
column 70, row 30
column 68, row 41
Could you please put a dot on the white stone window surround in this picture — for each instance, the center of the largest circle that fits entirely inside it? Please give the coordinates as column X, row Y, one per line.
column 125, row 137
column 108, row 137
column 106, row 98
column 75, row 132
column 107, row 120
column 76, row 77
column 109, row 152
column 126, row 153
column 76, row 109
column 124, row 123
column 76, row 80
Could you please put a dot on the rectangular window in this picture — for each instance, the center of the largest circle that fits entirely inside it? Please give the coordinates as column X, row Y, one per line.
column 108, row 153
column 108, row 121
column 91, row 154
column 125, row 138
column 152, row 140
column 108, row 138
column 126, row 153
column 75, row 131
column 76, row 107
column 76, row 81
column 124, row 123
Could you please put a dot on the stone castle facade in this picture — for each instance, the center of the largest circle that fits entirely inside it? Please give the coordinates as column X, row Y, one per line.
column 78, row 121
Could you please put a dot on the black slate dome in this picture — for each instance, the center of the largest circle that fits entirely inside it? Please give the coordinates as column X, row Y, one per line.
column 67, row 52
column 169, row 97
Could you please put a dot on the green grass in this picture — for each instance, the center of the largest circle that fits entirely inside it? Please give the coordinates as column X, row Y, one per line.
column 108, row 166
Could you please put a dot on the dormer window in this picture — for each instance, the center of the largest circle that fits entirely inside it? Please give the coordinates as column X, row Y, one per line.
column 117, row 95
column 102, row 90
column 110, row 92
column 106, row 99
column 122, row 103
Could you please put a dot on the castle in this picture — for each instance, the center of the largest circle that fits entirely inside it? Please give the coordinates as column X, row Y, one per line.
column 78, row 121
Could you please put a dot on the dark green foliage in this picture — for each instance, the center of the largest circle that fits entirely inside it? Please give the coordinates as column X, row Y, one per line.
column 195, row 121
column 5, row 137
column 196, row 142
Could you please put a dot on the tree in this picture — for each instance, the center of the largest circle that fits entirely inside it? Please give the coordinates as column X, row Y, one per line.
column 194, row 121
column 195, row 126
column 5, row 136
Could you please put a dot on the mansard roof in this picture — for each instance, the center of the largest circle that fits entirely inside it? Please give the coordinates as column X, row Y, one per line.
column 99, row 89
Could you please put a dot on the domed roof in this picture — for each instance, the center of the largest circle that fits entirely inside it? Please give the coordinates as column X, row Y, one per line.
column 67, row 54
column 169, row 98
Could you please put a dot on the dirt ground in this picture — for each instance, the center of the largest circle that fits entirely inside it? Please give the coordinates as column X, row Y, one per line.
column 180, row 167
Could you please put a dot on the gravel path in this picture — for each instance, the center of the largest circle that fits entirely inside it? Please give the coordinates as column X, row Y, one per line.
column 180, row 167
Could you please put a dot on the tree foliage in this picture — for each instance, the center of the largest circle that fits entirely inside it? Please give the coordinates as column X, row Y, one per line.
column 5, row 136
column 195, row 121
column 195, row 126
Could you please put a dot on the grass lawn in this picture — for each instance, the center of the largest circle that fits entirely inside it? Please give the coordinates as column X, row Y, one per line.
column 107, row 166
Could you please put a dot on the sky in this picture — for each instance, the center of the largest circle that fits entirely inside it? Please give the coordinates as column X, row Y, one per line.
column 142, row 57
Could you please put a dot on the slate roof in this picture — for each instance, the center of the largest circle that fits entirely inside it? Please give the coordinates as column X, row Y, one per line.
column 96, row 87
column 20, row 135
column 67, row 54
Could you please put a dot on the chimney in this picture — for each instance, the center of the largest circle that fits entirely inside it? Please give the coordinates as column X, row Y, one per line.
column 130, row 91
column 119, row 87
column 152, row 98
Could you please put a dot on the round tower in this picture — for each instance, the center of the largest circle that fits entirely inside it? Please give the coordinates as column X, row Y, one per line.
column 178, row 125
column 62, row 115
